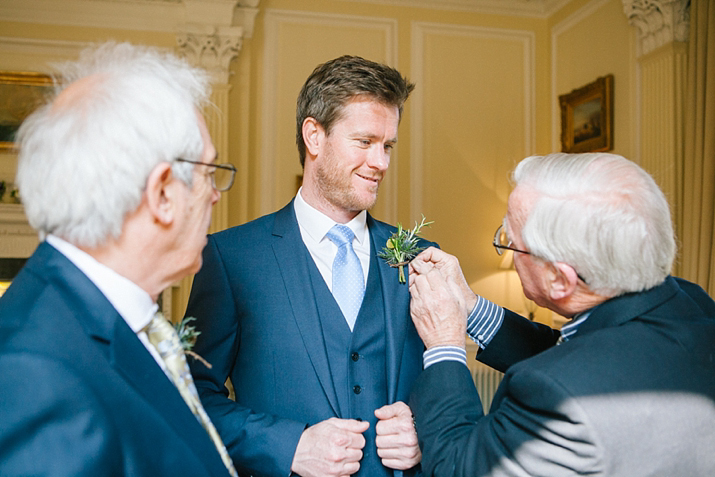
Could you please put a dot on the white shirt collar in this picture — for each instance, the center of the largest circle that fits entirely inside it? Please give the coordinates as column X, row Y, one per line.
column 316, row 224
column 132, row 302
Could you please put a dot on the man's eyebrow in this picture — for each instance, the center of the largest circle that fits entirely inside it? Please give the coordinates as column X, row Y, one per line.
column 368, row 135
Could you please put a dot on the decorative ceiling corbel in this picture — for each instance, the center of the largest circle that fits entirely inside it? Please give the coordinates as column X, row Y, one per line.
column 213, row 33
column 659, row 21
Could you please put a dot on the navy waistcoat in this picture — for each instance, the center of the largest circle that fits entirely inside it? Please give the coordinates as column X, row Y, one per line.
column 357, row 360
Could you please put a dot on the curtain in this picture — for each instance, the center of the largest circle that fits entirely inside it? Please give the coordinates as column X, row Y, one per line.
column 697, row 214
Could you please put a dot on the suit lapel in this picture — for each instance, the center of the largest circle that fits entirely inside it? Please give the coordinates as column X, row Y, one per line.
column 125, row 352
column 131, row 359
column 292, row 257
column 396, row 300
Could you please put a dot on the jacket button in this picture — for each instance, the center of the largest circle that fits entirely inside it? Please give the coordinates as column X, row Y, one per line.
column 357, row 389
column 355, row 356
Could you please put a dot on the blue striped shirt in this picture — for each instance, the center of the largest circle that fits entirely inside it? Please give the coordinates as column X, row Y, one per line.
column 483, row 322
column 570, row 328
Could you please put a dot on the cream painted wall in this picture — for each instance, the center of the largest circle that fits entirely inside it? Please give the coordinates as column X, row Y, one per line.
column 487, row 95
column 588, row 42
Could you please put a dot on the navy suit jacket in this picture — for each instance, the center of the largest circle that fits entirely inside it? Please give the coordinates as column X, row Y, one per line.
column 79, row 393
column 260, row 326
column 632, row 393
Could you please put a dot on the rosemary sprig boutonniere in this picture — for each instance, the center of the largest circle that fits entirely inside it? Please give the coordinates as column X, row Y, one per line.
column 402, row 247
column 187, row 337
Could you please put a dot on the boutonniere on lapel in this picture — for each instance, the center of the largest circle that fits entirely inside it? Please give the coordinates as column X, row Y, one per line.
column 187, row 337
column 402, row 247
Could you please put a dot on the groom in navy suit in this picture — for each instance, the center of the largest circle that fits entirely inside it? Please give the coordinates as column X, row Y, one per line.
column 319, row 385
column 117, row 174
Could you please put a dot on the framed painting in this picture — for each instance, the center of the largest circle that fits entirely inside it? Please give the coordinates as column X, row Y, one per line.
column 20, row 94
column 587, row 117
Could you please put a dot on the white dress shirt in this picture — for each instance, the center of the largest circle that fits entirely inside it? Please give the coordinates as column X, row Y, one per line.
column 133, row 303
column 314, row 225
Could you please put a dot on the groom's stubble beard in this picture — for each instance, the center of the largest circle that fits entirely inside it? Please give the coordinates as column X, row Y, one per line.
column 336, row 186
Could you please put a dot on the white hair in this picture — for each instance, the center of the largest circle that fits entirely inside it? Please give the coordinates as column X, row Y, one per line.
column 83, row 162
column 603, row 215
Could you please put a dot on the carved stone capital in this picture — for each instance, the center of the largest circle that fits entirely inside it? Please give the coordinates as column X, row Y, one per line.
column 213, row 34
column 659, row 21
column 212, row 49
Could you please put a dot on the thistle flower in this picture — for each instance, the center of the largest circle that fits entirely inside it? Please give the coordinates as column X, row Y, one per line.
column 187, row 337
column 402, row 247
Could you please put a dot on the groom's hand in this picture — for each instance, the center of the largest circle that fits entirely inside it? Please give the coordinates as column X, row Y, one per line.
column 331, row 448
column 396, row 437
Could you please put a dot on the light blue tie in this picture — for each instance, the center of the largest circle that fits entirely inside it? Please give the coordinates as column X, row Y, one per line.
column 348, row 281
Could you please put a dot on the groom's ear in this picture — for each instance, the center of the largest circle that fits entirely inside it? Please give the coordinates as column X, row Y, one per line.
column 313, row 135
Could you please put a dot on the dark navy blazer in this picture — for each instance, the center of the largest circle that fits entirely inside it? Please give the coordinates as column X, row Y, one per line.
column 632, row 393
column 261, row 327
column 79, row 393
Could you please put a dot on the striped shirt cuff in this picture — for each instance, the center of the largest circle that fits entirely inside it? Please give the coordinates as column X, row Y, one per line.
column 444, row 353
column 484, row 321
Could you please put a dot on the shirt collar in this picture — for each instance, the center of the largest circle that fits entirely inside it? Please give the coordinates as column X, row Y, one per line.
column 569, row 329
column 316, row 224
column 133, row 303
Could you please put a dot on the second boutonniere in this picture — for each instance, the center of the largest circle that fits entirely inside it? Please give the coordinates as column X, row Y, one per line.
column 402, row 247
column 187, row 337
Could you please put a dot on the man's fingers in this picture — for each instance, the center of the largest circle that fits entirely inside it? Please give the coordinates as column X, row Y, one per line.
column 396, row 440
column 353, row 438
column 352, row 425
column 391, row 410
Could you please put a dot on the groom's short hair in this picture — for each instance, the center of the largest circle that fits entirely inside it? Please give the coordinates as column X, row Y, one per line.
column 334, row 83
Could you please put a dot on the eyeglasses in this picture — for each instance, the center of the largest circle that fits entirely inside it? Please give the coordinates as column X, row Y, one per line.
column 502, row 242
column 222, row 175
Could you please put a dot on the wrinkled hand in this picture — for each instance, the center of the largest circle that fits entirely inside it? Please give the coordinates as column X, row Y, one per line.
column 439, row 315
column 396, row 437
column 448, row 266
column 330, row 448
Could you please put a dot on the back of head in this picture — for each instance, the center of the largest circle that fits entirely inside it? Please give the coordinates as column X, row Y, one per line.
column 334, row 83
column 603, row 215
column 84, row 158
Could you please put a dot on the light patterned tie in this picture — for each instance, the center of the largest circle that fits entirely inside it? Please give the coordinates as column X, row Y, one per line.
column 348, row 279
column 164, row 338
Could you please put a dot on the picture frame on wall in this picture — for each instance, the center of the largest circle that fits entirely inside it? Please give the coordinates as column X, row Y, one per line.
column 587, row 117
column 20, row 94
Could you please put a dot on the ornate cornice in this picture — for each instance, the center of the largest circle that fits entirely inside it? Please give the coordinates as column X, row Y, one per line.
column 522, row 8
column 659, row 21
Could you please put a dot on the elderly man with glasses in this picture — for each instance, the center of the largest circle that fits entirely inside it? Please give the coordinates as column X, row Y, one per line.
column 118, row 175
column 630, row 388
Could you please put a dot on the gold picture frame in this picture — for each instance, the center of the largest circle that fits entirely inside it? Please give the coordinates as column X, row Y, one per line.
column 587, row 117
column 20, row 94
